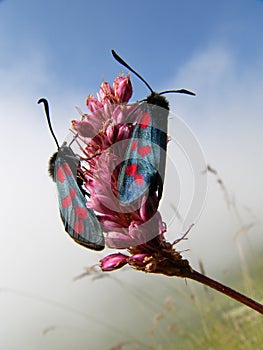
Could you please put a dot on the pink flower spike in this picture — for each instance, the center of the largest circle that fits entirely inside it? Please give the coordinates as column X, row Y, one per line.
column 113, row 262
column 122, row 88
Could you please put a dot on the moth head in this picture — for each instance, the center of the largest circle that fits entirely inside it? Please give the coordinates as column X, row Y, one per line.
column 154, row 98
column 158, row 100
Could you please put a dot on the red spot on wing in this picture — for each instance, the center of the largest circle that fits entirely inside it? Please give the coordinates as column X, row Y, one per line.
column 144, row 150
column 78, row 227
column 66, row 168
column 60, row 175
column 146, row 120
column 139, row 179
column 66, row 202
column 131, row 169
column 72, row 193
column 134, row 145
column 81, row 212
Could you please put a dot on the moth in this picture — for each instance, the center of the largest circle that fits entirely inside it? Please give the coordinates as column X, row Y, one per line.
column 143, row 168
column 79, row 221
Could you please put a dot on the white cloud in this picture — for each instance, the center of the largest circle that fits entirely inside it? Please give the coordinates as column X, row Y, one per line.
column 36, row 255
column 226, row 117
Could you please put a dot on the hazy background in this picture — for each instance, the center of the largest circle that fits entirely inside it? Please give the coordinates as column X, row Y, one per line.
column 61, row 50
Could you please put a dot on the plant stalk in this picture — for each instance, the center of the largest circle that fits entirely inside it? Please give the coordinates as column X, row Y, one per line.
column 199, row 277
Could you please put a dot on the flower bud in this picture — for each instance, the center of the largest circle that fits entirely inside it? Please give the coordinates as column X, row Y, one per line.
column 93, row 104
column 140, row 259
column 113, row 262
column 122, row 88
column 106, row 92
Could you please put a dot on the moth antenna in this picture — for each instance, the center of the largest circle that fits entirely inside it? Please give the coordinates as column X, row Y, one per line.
column 74, row 139
column 181, row 91
column 45, row 102
column 122, row 62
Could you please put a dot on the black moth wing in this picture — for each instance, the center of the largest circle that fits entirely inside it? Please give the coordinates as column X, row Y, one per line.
column 79, row 221
column 144, row 167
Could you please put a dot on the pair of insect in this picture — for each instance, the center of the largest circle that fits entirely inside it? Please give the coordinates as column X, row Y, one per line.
column 150, row 134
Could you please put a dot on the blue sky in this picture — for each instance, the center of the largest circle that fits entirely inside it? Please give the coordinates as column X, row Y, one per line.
column 75, row 38
column 61, row 51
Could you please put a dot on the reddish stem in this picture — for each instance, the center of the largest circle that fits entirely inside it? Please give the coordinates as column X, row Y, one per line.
column 197, row 276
